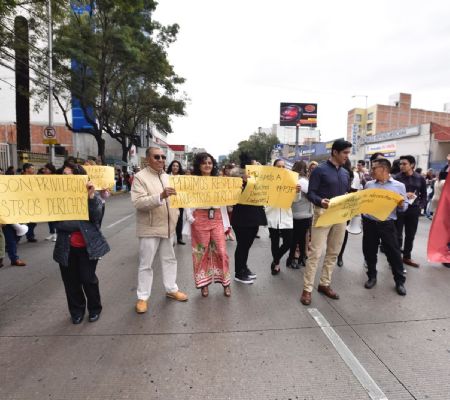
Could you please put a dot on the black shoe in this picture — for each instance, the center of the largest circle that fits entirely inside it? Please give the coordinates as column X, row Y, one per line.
column 295, row 265
column 340, row 262
column 400, row 288
column 289, row 262
column 446, row 265
column 302, row 262
column 243, row 279
column 94, row 317
column 32, row 240
column 77, row 320
column 179, row 241
column 370, row 283
column 250, row 274
column 274, row 270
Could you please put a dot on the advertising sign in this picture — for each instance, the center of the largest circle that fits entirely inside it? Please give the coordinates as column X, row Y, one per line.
column 388, row 149
column 298, row 114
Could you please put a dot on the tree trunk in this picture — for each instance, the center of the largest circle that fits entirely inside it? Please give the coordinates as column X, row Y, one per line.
column 101, row 148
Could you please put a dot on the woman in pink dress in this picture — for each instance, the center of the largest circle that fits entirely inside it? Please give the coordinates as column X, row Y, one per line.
column 208, row 225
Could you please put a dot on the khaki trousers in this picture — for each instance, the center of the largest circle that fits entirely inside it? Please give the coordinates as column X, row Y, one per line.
column 330, row 236
column 148, row 248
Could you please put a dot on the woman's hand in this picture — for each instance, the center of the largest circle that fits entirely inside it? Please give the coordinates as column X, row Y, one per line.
column 91, row 189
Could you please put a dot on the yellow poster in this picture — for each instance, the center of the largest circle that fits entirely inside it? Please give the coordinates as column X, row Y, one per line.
column 42, row 198
column 269, row 186
column 377, row 202
column 102, row 177
column 204, row 191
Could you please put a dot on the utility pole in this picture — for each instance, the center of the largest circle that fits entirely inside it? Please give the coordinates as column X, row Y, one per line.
column 51, row 147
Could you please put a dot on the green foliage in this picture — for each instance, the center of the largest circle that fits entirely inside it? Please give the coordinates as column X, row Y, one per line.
column 257, row 147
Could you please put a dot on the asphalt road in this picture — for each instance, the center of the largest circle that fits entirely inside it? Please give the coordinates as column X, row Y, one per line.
column 261, row 343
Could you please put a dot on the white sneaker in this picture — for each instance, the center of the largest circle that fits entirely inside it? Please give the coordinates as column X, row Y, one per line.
column 55, row 236
column 49, row 237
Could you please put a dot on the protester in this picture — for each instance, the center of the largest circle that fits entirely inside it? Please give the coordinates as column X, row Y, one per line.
column 311, row 167
column 155, row 226
column 245, row 220
column 9, row 170
column 79, row 246
column 328, row 180
column 280, row 223
column 302, row 216
column 175, row 168
column 375, row 231
column 416, row 191
column 363, row 174
column 11, row 239
column 208, row 225
column 438, row 186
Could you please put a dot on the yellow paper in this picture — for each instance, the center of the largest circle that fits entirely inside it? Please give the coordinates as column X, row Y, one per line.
column 376, row 202
column 204, row 191
column 269, row 186
column 101, row 176
column 42, row 198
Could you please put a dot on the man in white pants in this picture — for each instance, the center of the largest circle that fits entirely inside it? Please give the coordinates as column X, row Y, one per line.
column 155, row 225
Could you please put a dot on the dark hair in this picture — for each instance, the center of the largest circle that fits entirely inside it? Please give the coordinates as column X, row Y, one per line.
column 10, row 170
column 375, row 156
column 76, row 169
column 180, row 168
column 300, row 167
column 50, row 167
column 245, row 159
column 26, row 166
column 419, row 170
column 199, row 159
column 362, row 162
column 340, row 145
column 442, row 175
column 395, row 169
column 348, row 167
column 383, row 162
column 409, row 158
column 276, row 161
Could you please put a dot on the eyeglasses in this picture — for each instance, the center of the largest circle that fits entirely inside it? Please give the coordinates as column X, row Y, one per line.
column 158, row 157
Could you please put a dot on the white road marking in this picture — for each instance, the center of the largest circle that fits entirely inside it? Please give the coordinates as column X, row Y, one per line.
column 352, row 362
column 119, row 221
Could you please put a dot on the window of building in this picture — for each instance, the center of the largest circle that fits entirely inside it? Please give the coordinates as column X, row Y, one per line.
column 358, row 117
column 369, row 127
column 370, row 116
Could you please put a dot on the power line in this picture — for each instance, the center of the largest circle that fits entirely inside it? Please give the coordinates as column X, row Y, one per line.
column 7, row 83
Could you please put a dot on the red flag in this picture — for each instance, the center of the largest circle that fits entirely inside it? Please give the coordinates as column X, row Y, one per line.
column 439, row 237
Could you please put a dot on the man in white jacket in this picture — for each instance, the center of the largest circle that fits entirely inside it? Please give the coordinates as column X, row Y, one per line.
column 155, row 225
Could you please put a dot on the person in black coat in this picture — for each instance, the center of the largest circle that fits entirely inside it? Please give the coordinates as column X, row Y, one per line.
column 245, row 221
column 79, row 246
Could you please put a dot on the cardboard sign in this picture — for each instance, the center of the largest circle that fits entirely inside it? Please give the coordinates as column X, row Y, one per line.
column 204, row 191
column 42, row 198
column 269, row 186
column 101, row 176
column 376, row 202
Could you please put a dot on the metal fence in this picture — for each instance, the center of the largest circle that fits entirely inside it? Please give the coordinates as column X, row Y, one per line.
column 4, row 156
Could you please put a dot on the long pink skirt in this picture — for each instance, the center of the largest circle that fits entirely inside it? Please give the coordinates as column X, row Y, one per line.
column 209, row 252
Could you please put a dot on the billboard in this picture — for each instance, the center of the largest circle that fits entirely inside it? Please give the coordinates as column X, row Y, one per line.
column 298, row 114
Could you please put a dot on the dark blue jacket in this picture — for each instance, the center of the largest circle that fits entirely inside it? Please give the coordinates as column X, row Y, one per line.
column 96, row 244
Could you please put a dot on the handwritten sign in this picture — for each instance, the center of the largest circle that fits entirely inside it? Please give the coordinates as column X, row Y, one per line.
column 41, row 198
column 376, row 202
column 269, row 186
column 204, row 191
column 102, row 177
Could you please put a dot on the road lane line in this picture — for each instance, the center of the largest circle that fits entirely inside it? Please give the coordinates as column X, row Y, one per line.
column 119, row 221
column 352, row 362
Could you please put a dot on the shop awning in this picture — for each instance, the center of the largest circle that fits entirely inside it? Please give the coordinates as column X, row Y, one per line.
column 441, row 133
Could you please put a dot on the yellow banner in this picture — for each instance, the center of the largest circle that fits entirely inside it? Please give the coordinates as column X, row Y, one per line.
column 269, row 186
column 377, row 202
column 42, row 198
column 102, row 177
column 204, row 191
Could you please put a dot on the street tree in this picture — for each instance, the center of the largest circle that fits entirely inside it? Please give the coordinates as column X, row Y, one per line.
column 258, row 147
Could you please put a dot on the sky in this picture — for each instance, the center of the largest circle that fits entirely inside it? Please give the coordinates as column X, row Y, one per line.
column 242, row 58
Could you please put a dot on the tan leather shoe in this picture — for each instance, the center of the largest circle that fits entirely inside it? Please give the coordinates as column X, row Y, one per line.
column 19, row 263
column 178, row 296
column 141, row 306
column 327, row 291
column 306, row 298
column 410, row 262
